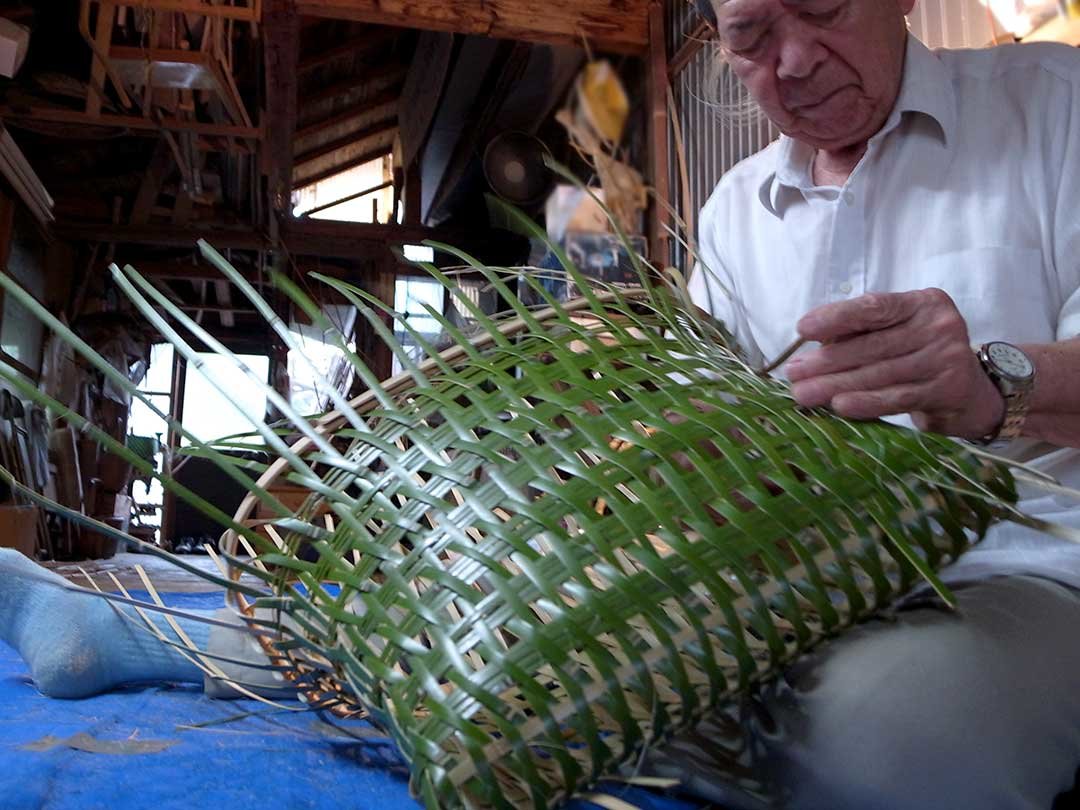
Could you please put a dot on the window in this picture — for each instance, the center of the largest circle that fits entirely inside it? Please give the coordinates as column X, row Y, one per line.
column 419, row 253
column 148, row 430
column 326, row 366
column 157, row 384
column 208, row 414
column 376, row 206
column 410, row 297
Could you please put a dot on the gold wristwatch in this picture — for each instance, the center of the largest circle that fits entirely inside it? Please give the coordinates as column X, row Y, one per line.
column 1014, row 375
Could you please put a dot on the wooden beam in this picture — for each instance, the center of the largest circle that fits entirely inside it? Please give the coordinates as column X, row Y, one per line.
column 384, row 127
column 345, row 240
column 359, row 160
column 171, row 271
column 245, row 238
column 324, row 239
column 353, row 47
column 216, row 310
column 425, row 86
column 244, row 13
column 361, row 241
column 281, row 31
column 13, row 114
column 620, row 26
column 350, row 85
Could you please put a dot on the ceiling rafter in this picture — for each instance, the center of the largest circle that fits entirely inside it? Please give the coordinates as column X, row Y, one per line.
column 394, row 72
column 383, row 127
column 353, row 47
column 386, row 100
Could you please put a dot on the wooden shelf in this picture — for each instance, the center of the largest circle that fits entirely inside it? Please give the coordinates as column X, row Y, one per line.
column 1060, row 29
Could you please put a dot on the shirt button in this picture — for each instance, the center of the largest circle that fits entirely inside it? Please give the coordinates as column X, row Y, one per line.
column 845, row 288
column 849, row 198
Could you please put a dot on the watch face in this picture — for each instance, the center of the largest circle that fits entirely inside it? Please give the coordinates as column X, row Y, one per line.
column 1010, row 361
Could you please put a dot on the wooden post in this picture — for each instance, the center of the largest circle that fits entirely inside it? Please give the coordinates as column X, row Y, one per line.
column 281, row 29
column 659, row 248
column 411, row 194
column 382, row 285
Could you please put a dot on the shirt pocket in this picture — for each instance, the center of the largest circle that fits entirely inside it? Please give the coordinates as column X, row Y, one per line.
column 1002, row 292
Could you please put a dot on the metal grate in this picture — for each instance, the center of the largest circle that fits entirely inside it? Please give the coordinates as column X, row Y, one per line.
column 713, row 141
column 953, row 23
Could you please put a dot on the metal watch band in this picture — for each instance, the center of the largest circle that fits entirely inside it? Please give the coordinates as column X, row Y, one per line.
column 1016, row 411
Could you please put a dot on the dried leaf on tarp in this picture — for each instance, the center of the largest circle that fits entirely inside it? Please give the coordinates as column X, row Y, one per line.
column 608, row 802
column 91, row 745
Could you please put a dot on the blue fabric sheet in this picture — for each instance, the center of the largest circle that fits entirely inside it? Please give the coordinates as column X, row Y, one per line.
column 291, row 757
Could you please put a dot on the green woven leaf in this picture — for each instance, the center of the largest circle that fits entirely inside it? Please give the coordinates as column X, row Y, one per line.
column 575, row 533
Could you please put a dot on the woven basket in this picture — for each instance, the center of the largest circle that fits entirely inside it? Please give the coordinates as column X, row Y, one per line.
column 542, row 572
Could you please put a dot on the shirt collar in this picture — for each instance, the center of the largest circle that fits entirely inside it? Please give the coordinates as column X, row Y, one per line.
column 926, row 89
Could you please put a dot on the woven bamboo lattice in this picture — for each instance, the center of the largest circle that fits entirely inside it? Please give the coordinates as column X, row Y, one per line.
column 561, row 542
column 538, row 553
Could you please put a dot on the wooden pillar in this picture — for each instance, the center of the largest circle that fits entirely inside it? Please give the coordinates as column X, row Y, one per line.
column 281, row 29
column 381, row 284
column 412, row 194
column 659, row 127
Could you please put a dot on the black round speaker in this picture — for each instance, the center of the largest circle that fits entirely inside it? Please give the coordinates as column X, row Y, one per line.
column 515, row 169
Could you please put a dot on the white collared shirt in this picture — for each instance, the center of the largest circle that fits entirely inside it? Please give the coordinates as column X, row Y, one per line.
column 972, row 186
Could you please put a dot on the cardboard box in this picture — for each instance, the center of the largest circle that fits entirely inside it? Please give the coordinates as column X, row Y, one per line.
column 18, row 529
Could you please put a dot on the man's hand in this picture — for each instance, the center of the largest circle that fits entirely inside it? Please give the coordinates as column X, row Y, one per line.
column 894, row 353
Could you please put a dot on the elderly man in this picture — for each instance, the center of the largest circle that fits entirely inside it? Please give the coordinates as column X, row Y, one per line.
column 917, row 224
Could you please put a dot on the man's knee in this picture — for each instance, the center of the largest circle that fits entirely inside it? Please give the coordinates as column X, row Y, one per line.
column 937, row 709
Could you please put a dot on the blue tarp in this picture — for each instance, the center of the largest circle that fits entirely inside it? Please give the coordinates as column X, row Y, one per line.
column 270, row 761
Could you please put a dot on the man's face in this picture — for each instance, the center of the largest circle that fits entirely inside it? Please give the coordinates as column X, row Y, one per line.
column 826, row 72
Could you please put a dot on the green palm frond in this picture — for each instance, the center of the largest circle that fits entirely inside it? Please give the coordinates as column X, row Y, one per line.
column 573, row 533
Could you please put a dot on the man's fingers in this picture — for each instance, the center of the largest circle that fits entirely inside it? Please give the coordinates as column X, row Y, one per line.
column 897, row 399
column 820, row 390
column 867, row 313
column 850, row 353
